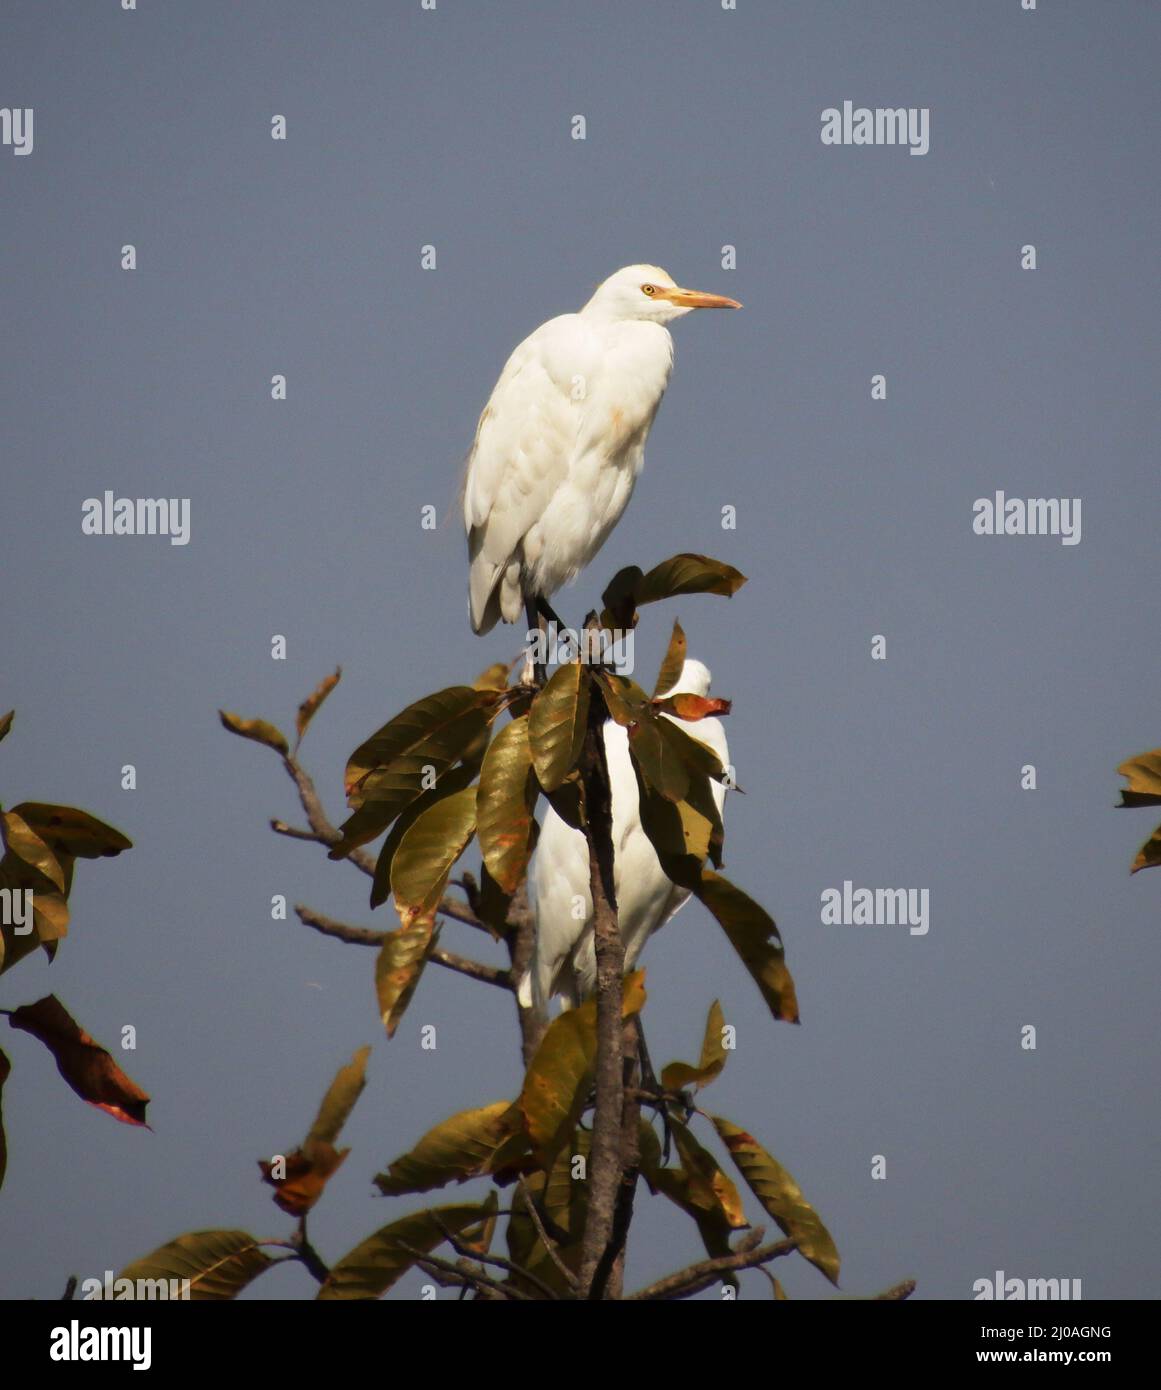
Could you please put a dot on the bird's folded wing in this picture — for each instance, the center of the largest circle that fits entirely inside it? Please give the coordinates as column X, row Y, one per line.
column 526, row 438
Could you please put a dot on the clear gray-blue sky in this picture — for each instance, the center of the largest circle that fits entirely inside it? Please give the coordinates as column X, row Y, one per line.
column 258, row 257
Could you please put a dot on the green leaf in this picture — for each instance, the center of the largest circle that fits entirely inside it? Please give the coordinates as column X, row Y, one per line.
column 378, row 1262
column 451, row 782
column 781, row 1197
column 658, row 757
column 257, row 730
column 68, row 831
column 626, row 702
column 678, row 1075
column 688, row 574
column 708, row 1188
column 457, row 1149
column 434, row 731
column 218, row 1264
column 505, row 802
column 753, row 934
column 559, row 1078
column 22, row 841
column 428, row 852
column 340, row 1099
column 397, row 970
column 557, row 722
column 673, row 662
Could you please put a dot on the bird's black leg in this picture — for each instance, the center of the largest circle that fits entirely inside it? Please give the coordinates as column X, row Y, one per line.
column 650, row 1083
column 532, row 617
column 545, row 609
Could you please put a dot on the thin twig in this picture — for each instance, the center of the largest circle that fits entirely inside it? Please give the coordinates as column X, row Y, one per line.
column 694, row 1278
column 509, row 1266
column 313, row 1261
column 547, row 1241
column 341, row 931
column 365, row 936
column 317, row 817
column 476, row 1278
column 473, row 969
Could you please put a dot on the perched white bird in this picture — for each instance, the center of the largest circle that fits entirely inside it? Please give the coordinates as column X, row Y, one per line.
column 562, row 440
column 564, row 958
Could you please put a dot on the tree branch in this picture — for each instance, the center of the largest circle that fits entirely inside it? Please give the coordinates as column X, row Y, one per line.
column 365, row 936
column 694, row 1278
column 605, row 1165
column 324, row 831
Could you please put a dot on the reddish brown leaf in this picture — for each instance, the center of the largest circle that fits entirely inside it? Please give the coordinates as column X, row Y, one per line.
column 84, row 1064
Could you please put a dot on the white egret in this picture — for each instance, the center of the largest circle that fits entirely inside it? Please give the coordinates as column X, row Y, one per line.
column 564, row 957
column 561, row 442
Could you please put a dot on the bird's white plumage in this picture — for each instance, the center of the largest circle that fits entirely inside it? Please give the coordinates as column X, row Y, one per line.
column 564, row 958
column 561, row 442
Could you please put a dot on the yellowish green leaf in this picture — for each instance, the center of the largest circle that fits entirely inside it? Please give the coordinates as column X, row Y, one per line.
column 781, row 1197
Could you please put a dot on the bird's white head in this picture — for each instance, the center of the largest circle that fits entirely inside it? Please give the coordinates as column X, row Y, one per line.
column 647, row 292
column 695, row 679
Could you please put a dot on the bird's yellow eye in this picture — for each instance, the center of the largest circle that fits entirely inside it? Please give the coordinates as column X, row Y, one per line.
column 649, row 290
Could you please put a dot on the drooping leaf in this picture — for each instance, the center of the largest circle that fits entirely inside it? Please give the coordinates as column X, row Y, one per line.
column 673, row 661
column 6, row 723
column 505, row 802
column 68, row 831
column 376, row 1263
column 22, row 841
column 398, row 967
column 557, row 722
column 680, row 833
column 218, row 1264
column 688, row 574
column 454, row 780
column 658, row 757
column 49, row 909
column 753, row 934
column 310, row 706
column 624, row 698
column 87, row 1068
column 559, row 1078
column 678, row 1075
column 709, row 1188
column 781, row 1197
column 457, row 1149
column 258, row 730
column 428, row 852
column 434, row 731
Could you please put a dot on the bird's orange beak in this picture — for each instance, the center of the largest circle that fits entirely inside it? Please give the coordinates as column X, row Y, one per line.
column 697, row 299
